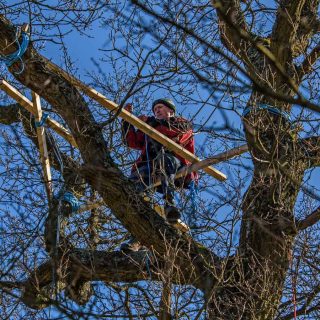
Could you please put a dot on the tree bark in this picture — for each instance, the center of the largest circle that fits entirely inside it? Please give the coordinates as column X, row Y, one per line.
column 194, row 261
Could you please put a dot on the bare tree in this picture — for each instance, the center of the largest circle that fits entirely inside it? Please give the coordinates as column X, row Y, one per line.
column 250, row 254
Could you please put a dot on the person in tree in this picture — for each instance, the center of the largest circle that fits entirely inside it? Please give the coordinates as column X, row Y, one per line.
column 156, row 161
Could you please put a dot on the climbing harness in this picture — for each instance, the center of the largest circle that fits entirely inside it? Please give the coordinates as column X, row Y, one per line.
column 11, row 58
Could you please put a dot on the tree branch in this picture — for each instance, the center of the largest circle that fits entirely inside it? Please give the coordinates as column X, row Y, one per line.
column 308, row 26
column 254, row 44
column 14, row 113
column 254, row 51
column 230, row 16
column 306, row 66
column 10, row 114
column 309, row 221
column 100, row 171
column 311, row 148
column 85, row 266
column 285, row 29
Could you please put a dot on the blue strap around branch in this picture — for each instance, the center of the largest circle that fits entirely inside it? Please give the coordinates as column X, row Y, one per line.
column 270, row 109
column 11, row 58
column 72, row 200
column 42, row 120
column 69, row 197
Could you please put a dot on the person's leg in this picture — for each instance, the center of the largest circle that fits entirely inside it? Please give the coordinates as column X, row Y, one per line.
column 171, row 165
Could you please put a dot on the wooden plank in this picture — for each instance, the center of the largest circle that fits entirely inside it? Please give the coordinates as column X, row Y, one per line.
column 62, row 131
column 224, row 156
column 42, row 145
column 168, row 143
column 25, row 28
column 28, row 105
column 16, row 95
column 156, row 135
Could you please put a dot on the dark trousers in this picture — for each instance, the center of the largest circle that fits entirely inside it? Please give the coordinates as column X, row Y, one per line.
column 165, row 167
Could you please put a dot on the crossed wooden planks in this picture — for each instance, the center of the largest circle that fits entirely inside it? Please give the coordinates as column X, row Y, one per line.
column 28, row 105
column 42, row 144
column 141, row 125
column 113, row 107
column 35, row 108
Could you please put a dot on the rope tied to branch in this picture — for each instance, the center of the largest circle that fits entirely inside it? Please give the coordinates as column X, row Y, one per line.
column 42, row 121
column 270, row 109
column 11, row 58
column 72, row 200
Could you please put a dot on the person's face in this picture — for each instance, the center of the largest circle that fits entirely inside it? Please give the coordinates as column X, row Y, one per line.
column 161, row 112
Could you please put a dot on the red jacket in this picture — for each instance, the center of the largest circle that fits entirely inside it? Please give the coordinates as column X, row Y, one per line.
column 178, row 129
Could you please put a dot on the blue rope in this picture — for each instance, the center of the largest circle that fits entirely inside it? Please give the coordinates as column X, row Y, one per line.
column 193, row 195
column 42, row 121
column 148, row 162
column 11, row 58
column 70, row 198
column 270, row 109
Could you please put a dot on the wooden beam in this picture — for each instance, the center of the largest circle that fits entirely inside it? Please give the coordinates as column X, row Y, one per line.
column 25, row 28
column 28, row 105
column 16, row 95
column 156, row 135
column 224, row 156
column 113, row 107
column 42, row 145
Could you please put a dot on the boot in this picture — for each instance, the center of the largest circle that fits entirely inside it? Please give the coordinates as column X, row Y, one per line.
column 172, row 213
column 173, row 217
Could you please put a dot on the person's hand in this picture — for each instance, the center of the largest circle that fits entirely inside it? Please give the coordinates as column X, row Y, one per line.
column 128, row 107
column 143, row 118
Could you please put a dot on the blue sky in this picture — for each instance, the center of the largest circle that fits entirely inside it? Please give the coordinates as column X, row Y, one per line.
column 82, row 49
